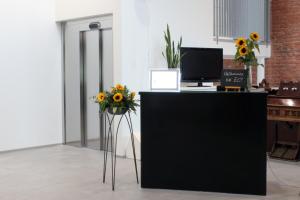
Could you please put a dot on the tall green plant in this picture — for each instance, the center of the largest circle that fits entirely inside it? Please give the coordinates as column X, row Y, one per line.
column 172, row 53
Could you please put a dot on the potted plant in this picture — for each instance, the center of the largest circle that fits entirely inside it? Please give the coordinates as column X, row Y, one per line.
column 245, row 54
column 117, row 101
column 172, row 52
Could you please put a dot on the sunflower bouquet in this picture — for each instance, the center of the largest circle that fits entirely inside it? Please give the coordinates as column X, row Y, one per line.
column 118, row 100
column 245, row 50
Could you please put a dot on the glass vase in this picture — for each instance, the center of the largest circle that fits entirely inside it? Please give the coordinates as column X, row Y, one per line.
column 248, row 68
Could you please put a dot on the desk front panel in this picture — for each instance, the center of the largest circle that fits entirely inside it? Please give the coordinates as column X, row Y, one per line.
column 204, row 141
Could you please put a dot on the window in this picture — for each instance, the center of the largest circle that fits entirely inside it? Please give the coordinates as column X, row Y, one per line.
column 235, row 18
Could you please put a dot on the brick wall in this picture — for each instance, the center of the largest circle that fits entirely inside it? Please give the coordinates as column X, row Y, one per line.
column 284, row 63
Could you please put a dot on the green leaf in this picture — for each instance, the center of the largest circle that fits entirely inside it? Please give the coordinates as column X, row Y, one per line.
column 168, row 34
column 172, row 52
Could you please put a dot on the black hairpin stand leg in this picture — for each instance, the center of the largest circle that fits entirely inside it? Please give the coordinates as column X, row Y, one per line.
column 105, row 149
column 115, row 154
column 112, row 153
column 129, row 122
column 107, row 136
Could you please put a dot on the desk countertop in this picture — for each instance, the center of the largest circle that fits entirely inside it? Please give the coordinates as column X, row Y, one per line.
column 205, row 92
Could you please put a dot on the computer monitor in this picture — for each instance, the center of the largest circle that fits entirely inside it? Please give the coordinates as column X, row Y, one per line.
column 201, row 64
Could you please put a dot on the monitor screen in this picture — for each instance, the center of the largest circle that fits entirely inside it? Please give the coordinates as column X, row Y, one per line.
column 201, row 64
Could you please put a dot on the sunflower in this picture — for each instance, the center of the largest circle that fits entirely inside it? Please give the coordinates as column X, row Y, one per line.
column 254, row 36
column 243, row 51
column 120, row 87
column 101, row 97
column 118, row 97
column 132, row 95
column 240, row 42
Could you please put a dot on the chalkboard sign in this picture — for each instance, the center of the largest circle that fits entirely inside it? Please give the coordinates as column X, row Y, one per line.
column 234, row 78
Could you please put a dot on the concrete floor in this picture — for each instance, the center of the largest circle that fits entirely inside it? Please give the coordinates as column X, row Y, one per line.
column 70, row 173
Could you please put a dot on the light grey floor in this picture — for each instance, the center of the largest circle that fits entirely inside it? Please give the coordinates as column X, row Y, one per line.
column 70, row 173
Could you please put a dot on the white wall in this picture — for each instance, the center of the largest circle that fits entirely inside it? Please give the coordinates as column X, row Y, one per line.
column 192, row 19
column 72, row 9
column 30, row 78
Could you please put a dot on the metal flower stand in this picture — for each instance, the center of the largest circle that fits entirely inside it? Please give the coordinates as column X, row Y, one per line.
column 112, row 139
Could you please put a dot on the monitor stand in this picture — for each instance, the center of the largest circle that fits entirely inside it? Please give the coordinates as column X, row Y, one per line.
column 200, row 84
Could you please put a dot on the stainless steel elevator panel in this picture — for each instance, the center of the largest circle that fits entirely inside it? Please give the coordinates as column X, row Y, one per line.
column 72, row 86
column 92, row 73
column 88, row 68
column 107, row 67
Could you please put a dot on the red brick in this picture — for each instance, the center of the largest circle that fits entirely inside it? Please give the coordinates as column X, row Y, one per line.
column 284, row 64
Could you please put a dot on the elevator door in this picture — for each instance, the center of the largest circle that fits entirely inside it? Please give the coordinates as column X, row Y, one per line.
column 88, row 69
column 92, row 81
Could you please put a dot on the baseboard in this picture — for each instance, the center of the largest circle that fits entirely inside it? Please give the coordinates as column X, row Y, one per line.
column 30, row 148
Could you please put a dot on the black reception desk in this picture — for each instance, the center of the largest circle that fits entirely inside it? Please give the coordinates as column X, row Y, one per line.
column 204, row 141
